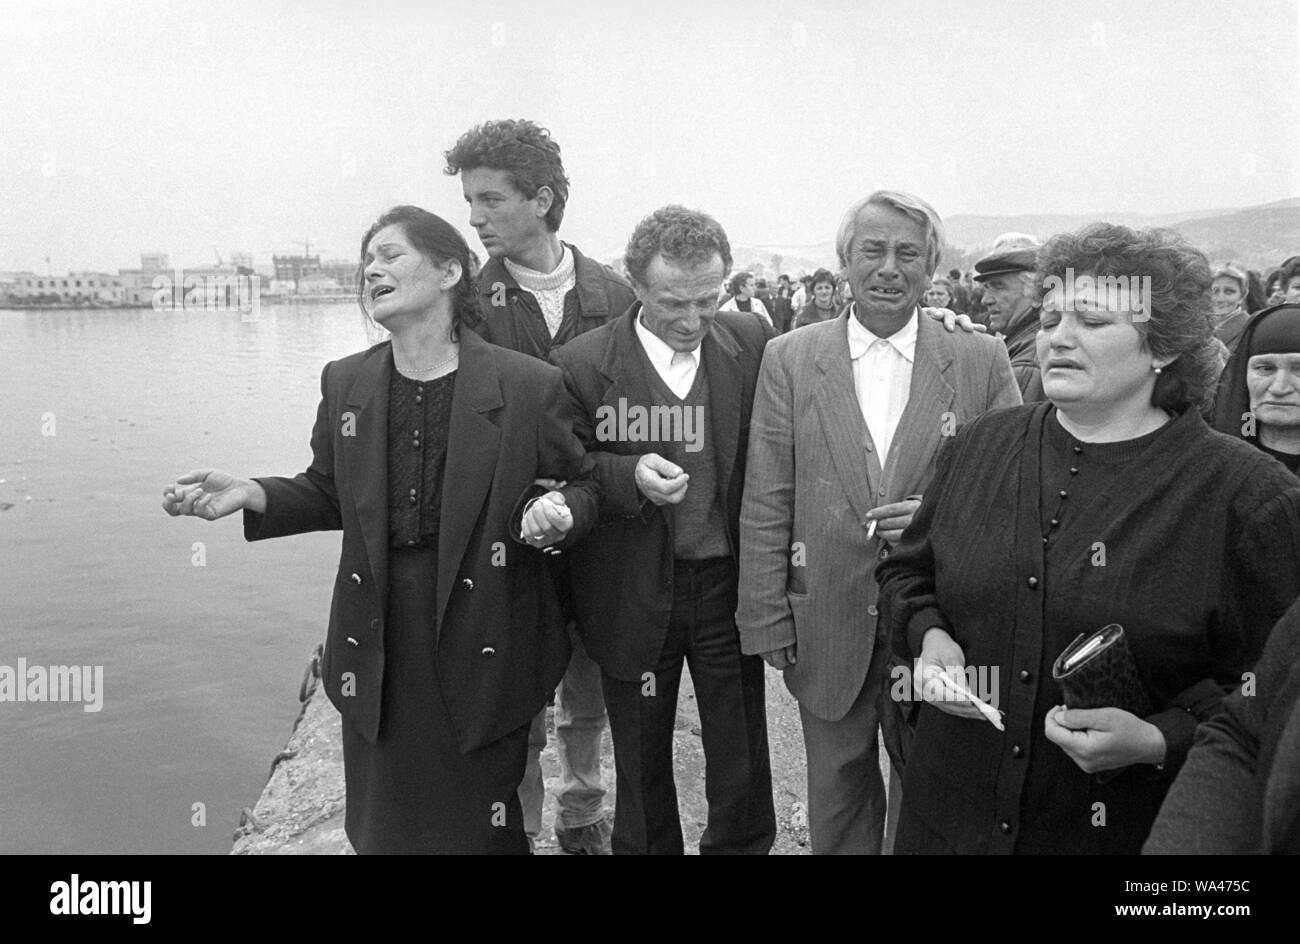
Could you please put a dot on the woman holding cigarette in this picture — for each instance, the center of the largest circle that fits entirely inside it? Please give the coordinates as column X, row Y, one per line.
column 1112, row 503
column 445, row 636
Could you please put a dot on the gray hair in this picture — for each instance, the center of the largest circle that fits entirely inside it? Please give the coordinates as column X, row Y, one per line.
column 1015, row 241
column 910, row 206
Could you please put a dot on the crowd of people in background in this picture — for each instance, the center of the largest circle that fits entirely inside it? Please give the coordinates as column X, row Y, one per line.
column 1237, row 293
column 1034, row 526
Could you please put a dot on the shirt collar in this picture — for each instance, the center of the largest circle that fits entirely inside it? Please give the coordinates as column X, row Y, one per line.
column 903, row 340
column 660, row 354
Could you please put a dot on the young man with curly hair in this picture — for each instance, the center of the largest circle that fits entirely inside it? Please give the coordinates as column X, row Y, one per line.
column 535, row 294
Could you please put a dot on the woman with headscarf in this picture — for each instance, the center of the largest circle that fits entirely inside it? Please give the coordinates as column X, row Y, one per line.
column 1110, row 503
column 445, row 636
column 1259, row 393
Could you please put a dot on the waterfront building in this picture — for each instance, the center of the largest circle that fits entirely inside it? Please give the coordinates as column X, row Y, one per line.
column 72, row 289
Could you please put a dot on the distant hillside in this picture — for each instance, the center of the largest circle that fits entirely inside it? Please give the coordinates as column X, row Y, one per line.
column 768, row 260
column 1258, row 237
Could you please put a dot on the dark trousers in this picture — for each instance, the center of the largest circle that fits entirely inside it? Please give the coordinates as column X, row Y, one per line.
column 730, row 690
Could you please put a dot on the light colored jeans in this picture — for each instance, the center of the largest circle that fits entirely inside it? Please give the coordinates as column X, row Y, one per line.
column 579, row 726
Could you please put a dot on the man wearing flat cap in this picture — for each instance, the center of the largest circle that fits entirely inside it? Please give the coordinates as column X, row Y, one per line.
column 1007, row 274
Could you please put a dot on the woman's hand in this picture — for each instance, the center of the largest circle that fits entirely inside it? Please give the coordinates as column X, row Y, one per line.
column 939, row 654
column 547, row 520
column 212, row 494
column 1100, row 739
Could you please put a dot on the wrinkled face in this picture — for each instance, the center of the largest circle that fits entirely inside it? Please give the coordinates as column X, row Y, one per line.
column 822, row 293
column 506, row 221
column 936, row 296
column 887, row 263
column 401, row 280
column 1225, row 293
column 1293, row 289
column 680, row 301
column 1090, row 352
column 1006, row 298
column 1273, row 381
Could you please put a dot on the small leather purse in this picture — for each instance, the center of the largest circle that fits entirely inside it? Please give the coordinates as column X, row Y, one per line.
column 1099, row 671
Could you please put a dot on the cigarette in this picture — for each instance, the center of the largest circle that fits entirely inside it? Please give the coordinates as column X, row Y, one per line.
column 871, row 529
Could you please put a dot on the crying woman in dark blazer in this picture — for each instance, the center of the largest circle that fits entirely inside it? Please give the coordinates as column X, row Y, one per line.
column 445, row 635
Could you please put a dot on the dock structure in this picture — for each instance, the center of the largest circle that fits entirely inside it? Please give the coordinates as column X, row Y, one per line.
column 300, row 811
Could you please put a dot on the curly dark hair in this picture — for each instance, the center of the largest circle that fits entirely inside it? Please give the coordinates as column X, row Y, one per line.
column 738, row 281
column 679, row 235
column 1180, row 322
column 526, row 152
column 822, row 275
column 437, row 240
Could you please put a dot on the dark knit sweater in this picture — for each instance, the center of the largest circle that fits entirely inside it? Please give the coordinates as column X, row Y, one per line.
column 1200, row 537
column 1239, row 791
column 699, row 528
column 1289, row 459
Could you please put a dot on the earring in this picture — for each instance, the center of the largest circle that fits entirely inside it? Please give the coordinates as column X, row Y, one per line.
column 1155, row 368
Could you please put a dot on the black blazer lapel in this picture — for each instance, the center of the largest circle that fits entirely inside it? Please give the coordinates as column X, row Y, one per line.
column 364, row 435
column 624, row 368
column 720, row 357
column 473, row 445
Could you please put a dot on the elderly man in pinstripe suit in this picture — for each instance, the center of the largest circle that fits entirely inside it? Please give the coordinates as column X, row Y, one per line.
column 847, row 417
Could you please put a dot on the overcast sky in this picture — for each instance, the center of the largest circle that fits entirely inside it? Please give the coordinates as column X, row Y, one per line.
column 251, row 125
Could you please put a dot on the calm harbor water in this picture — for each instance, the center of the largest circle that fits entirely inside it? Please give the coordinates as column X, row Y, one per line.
column 99, row 410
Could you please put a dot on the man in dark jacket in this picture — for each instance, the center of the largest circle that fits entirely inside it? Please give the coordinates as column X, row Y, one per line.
column 663, row 397
column 960, row 294
column 1009, row 299
column 535, row 294
column 782, row 308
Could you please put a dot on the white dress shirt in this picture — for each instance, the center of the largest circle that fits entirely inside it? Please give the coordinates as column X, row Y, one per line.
column 675, row 368
column 882, row 377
